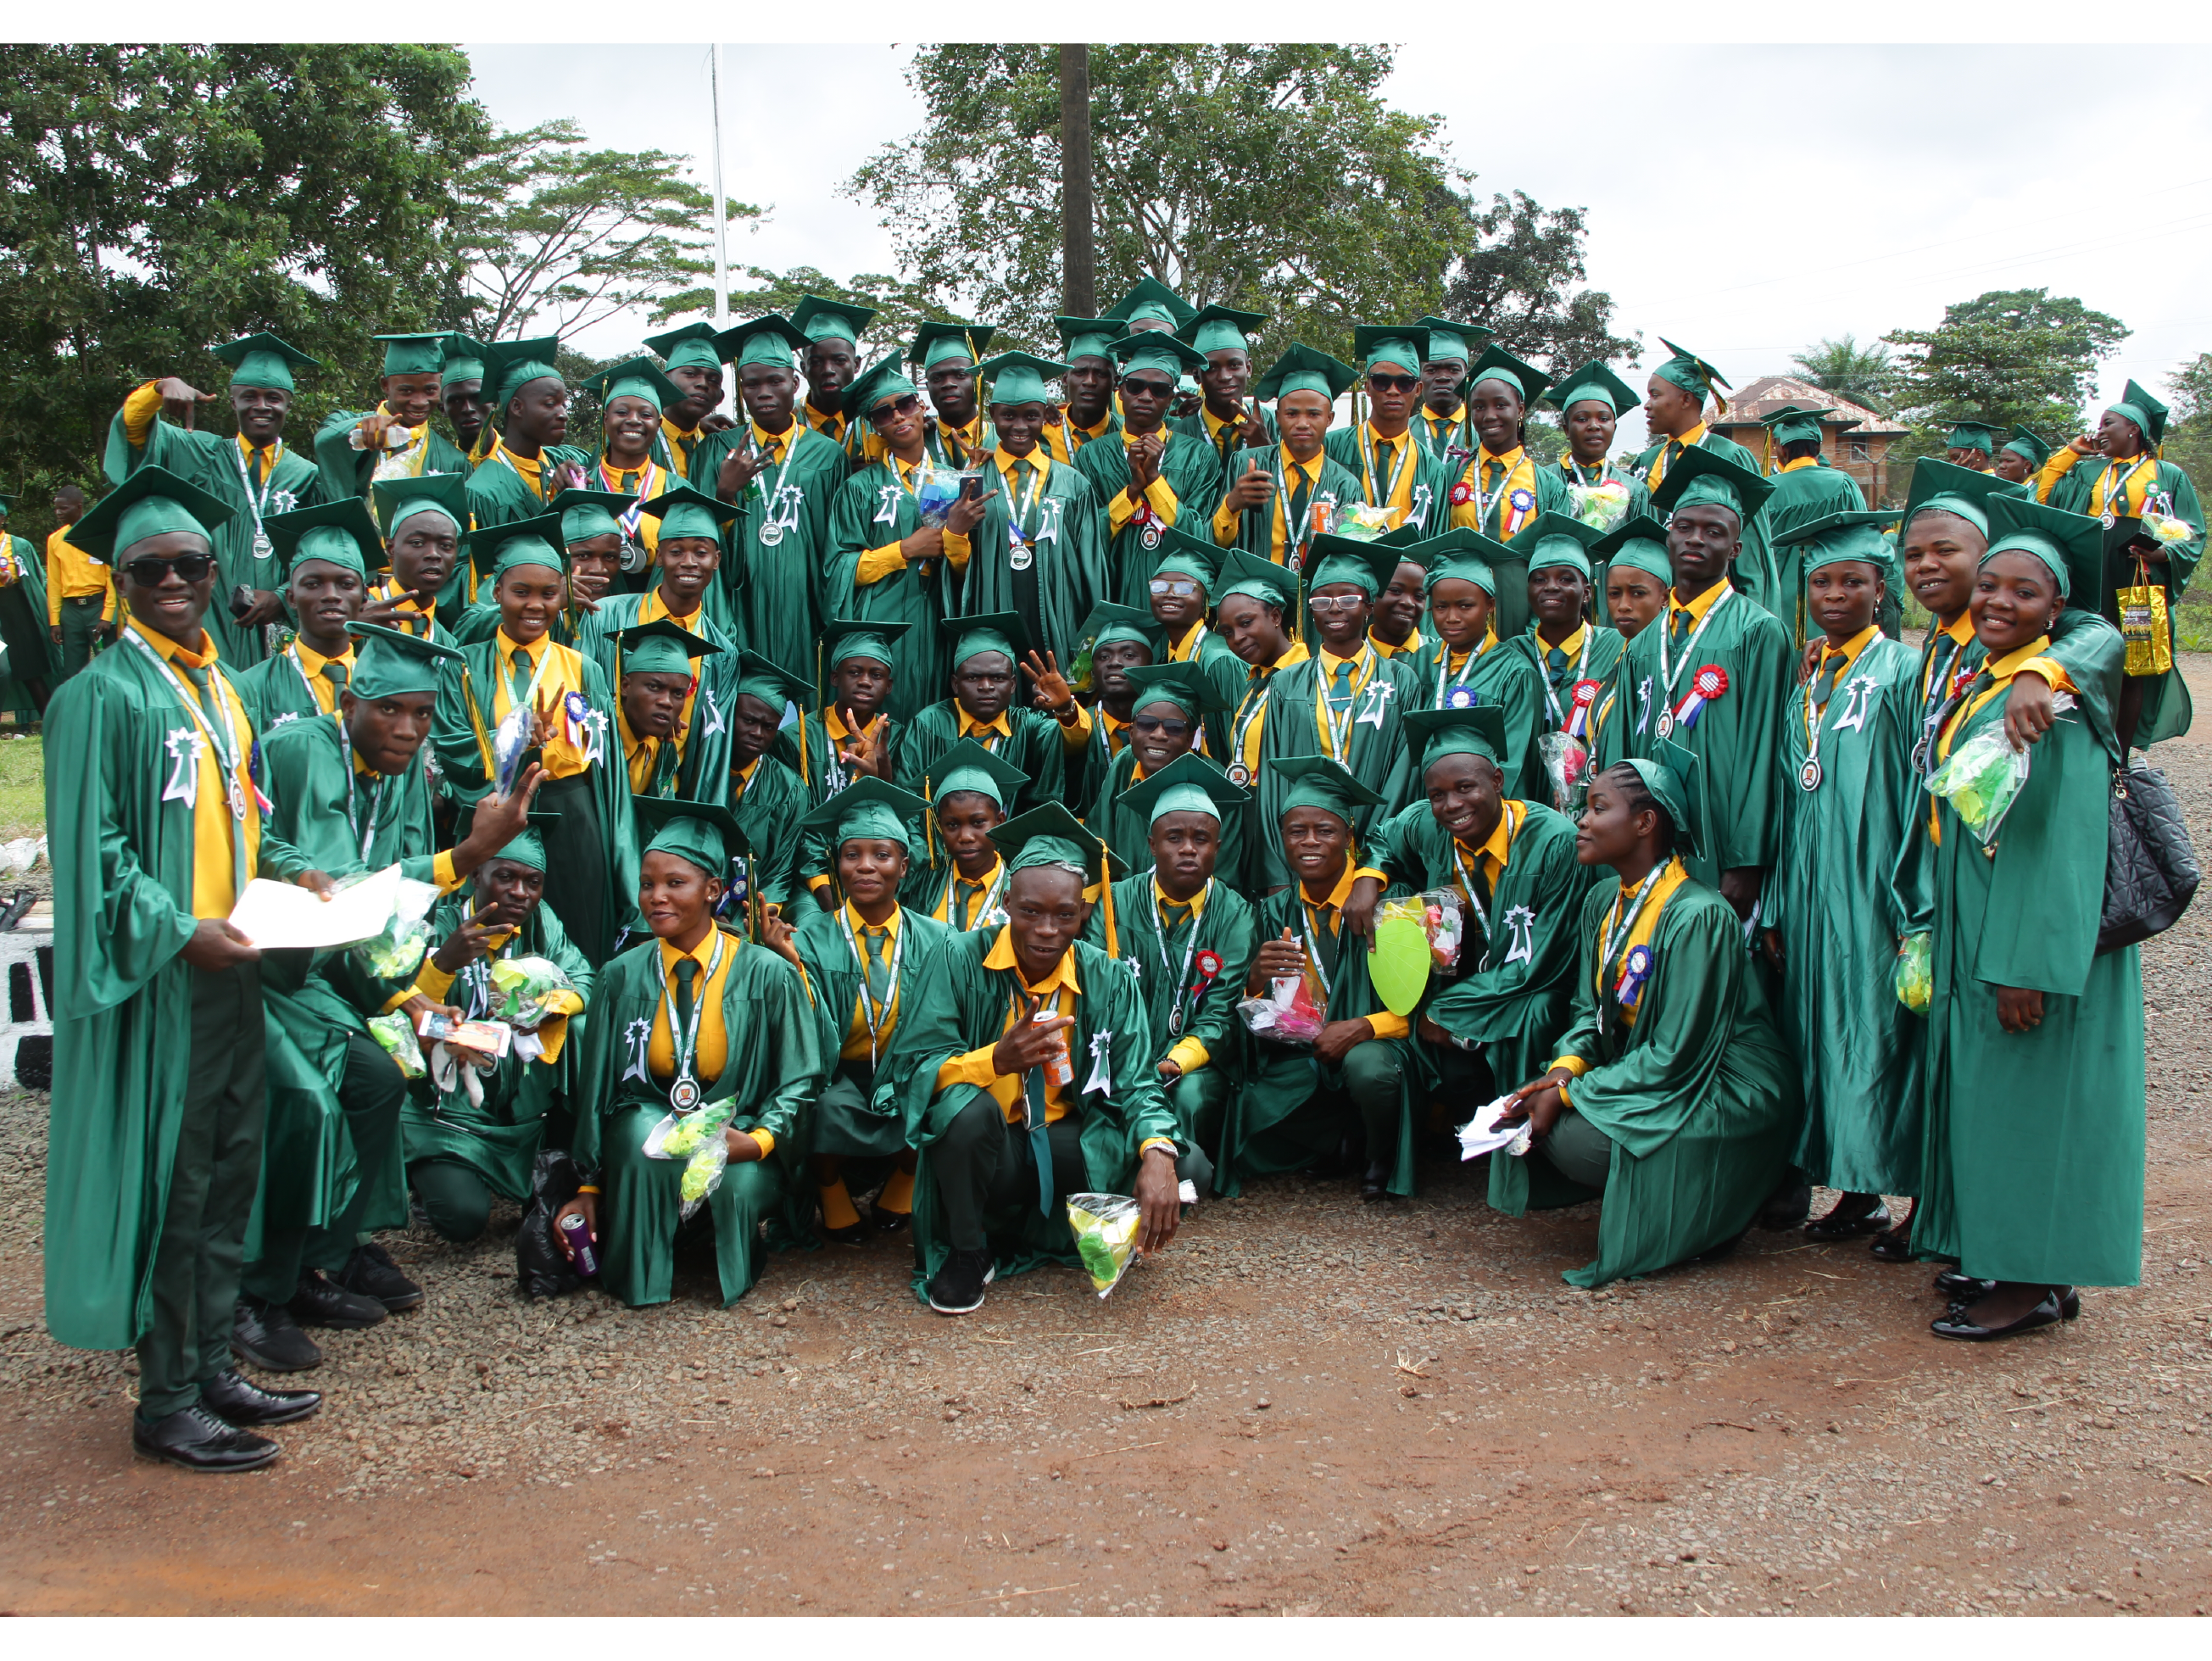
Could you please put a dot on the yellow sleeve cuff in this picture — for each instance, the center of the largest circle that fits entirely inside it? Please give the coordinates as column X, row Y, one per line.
column 139, row 412
column 879, row 563
column 766, row 1140
column 1370, row 871
column 1152, row 1142
column 818, row 881
column 2052, row 672
column 1574, row 1064
column 1189, row 1055
column 443, row 874
column 957, row 548
column 1158, row 497
column 975, row 1068
column 432, row 981
column 1387, row 1026
column 1225, row 519
column 1074, row 734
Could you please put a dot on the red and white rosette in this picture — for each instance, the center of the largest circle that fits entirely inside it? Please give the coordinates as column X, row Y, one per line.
column 1709, row 683
column 1585, row 694
column 1208, row 964
column 1461, row 494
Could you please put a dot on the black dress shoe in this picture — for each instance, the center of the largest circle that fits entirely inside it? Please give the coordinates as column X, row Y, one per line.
column 2049, row 1312
column 236, row 1401
column 1375, row 1185
column 1894, row 1244
column 958, row 1287
column 1832, row 1228
column 321, row 1302
column 371, row 1273
column 854, row 1233
column 890, row 1222
column 1962, row 1289
column 1787, row 1207
column 195, row 1439
column 267, row 1335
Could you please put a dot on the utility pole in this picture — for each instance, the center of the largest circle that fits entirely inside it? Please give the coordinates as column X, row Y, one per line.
column 721, row 216
column 1078, row 261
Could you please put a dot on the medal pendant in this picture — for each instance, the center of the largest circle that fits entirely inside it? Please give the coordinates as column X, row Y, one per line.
column 237, row 798
column 2107, row 519
column 1240, row 775
column 683, row 1095
column 265, row 549
column 771, row 535
column 1808, row 775
column 1152, row 537
column 1018, row 557
column 1665, row 723
column 1175, row 1019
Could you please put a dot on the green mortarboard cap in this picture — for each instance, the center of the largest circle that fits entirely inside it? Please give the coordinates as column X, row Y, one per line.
column 1464, row 554
column 1972, row 435
column 1700, row 475
column 1183, row 684
column 882, row 380
column 1639, row 543
column 528, row 846
column 1555, row 538
column 263, row 360
column 1151, row 302
column 966, row 765
column 6, row 503
column 1691, row 374
column 694, row 346
column 1221, row 329
column 1108, row 622
column 939, row 341
column 399, row 500
column 640, row 377
column 511, row 365
column 1155, row 351
column 1496, row 364
column 342, row 532
column 1942, row 487
column 1187, row 386
column 2146, row 412
column 2028, row 447
column 587, row 513
column 992, row 631
column 1322, row 782
column 771, row 684
column 412, row 354
column 526, row 542
column 1674, row 778
column 1855, row 533
column 1405, row 344
column 660, row 648
column 1451, row 341
column 153, row 501
column 869, row 808
column 1469, row 729
column 1085, row 336
column 830, row 320
column 855, row 637
column 1596, row 383
column 1050, row 835
column 685, row 512
column 462, row 359
column 1265, row 581
column 1189, row 784
column 1192, row 556
column 1301, row 368
column 2071, row 545
column 1792, row 425
column 705, row 833
column 771, row 340
column 393, row 663
column 1367, row 564
column 1019, row 377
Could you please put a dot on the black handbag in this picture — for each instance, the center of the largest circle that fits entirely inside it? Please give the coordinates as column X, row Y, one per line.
column 542, row 1269
column 2150, row 869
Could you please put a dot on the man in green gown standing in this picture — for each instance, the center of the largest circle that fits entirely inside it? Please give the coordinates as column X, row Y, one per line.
column 1400, row 477
column 1443, row 425
column 353, row 450
column 1806, row 488
column 1223, row 421
column 461, row 392
column 831, row 362
column 1674, row 410
column 1088, row 410
column 1155, row 477
column 1277, row 497
column 527, row 463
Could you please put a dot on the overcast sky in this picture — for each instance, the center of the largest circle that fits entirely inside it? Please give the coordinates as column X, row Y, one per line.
column 1744, row 201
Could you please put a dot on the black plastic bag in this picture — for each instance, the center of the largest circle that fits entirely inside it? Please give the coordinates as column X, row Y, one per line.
column 542, row 1269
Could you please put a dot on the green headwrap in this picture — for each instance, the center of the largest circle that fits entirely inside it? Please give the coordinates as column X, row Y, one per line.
column 391, row 663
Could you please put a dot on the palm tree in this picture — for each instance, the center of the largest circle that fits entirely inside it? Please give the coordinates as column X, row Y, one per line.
column 1861, row 374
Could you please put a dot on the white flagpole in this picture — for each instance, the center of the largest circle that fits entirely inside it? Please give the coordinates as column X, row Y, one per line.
column 722, row 223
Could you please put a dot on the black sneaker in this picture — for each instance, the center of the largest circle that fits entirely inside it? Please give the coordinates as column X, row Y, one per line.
column 371, row 1272
column 267, row 1335
column 321, row 1302
column 958, row 1287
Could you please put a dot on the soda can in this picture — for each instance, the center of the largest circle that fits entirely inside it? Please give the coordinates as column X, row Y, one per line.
column 579, row 1236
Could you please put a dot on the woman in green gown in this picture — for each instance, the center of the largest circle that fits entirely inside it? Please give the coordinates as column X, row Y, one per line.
column 1573, row 653
column 1672, row 1097
column 1467, row 662
column 2033, row 1150
column 1503, row 489
column 694, row 1019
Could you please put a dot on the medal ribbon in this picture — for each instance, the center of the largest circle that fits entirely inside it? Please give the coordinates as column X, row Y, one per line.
column 1406, row 441
column 1669, row 671
column 262, row 547
column 1181, row 982
column 1339, row 733
column 1615, row 938
column 876, row 1018
column 684, row 1041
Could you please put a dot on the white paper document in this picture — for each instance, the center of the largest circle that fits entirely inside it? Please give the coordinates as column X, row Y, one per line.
column 276, row 915
column 1483, row 1134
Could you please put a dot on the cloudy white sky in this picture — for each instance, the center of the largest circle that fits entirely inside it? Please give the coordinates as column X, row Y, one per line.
column 1743, row 200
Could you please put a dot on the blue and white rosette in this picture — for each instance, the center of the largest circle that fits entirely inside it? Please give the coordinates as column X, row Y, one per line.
column 1635, row 970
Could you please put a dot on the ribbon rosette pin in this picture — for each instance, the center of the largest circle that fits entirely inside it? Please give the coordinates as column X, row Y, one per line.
column 1634, row 972
column 1708, row 684
column 573, row 708
column 1522, row 500
column 1585, row 694
column 1461, row 494
column 1208, row 965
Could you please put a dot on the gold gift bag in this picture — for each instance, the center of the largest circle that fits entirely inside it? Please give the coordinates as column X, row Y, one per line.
column 2143, row 624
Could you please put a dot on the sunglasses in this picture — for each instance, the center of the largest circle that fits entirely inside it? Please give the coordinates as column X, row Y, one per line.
column 1394, row 383
column 1322, row 605
column 1182, row 588
column 1161, row 727
column 150, row 572
column 906, row 405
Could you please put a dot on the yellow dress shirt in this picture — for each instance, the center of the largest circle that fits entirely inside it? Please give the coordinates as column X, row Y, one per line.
column 215, row 884
column 72, row 574
column 1609, row 973
column 712, row 1053
column 858, row 1047
column 1188, row 1052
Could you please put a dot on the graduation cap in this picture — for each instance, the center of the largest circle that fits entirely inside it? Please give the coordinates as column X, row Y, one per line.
column 1555, row 538
column 883, row 381
column 685, row 512
column 341, row 533
column 1943, row 487
column 1189, row 556
column 399, row 500
column 989, row 631
column 771, row 340
column 1972, row 435
column 1110, row 622
column 588, row 513
column 501, row 548
column 1189, row 784
column 1675, row 778
column 1263, row 580
column 1086, row 337
column 1221, row 329
column 1406, row 344
column 830, row 320
column 940, row 342
column 1151, row 302
column 1050, row 835
column 412, row 354
column 2147, row 412
column 640, row 377
column 1496, row 364
column 1854, row 533
column 1320, row 781
column 1450, row 342
column 1466, row 729
column 694, row 346
column 1155, row 351
column 1699, row 477
column 511, row 365
column 856, row 637
column 968, row 766
column 868, row 808
column 660, row 648
column 1302, row 368
column 462, row 359
column 1791, row 425
column 2073, row 546
column 1019, row 377
column 261, row 359
column 1367, row 564
column 1461, row 554
column 528, row 845
column 1593, row 382
column 1183, row 684
column 2027, row 445
column 773, row 685
column 1693, row 374
column 153, row 501
column 393, row 663
column 1639, row 543
column 704, row 833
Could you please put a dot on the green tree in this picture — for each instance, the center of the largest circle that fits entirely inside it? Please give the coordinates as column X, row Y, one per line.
column 1862, row 374
column 2014, row 354
column 899, row 305
column 159, row 199
column 1515, row 274
column 2189, row 423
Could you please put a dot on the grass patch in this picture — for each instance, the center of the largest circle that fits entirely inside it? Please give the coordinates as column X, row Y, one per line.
column 23, row 787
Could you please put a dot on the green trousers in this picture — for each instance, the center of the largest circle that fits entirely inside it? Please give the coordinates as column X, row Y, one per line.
column 1579, row 1151
column 641, row 1205
column 985, row 1171
column 80, row 631
column 456, row 1199
column 212, row 1176
column 1372, row 1073
column 371, row 1093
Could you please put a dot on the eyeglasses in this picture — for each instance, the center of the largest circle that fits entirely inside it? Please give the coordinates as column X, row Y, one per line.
column 906, row 405
column 1394, row 383
column 1321, row 606
column 1161, row 727
column 1148, row 386
column 150, row 572
column 1181, row 588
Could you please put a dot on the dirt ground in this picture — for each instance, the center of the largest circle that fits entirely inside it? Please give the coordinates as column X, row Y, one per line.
column 1308, row 1407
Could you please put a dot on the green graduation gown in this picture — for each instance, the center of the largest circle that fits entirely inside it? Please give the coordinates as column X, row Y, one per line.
column 1428, row 505
column 962, row 1006
column 1757, row 569
column 1229, row 455
column 1802, row 494
column 1608, row 471
column 854, row 1117
column 780, row 548
column 1255, row 530
column 1063, row 560
column 1859, row 1047
column 704, row 773
column 1128, row 832
column 346, row 472
column 770, row 804
column 1033, row 744
column 773, row 1073
column 1188, row 469
column 873, row 509
column 32, row 654
column 1505, row 674
column 1698, row 1096
column 499, row 495
column 1375, row 749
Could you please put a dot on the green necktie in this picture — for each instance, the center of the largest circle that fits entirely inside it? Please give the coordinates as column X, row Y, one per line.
column 1555, row 661
column 1386, row 451
column 1301, row 499
column 687, row 971
column 1021, row 479
column 334, row 673
column 874, row 950
column 518, row 677
column 1340, row 685
column 1679, row 625
column 1824, row 683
